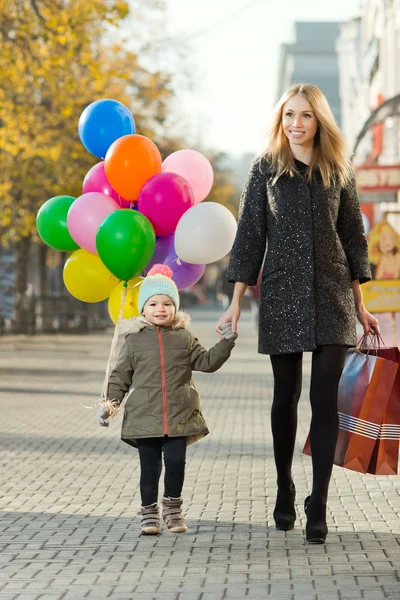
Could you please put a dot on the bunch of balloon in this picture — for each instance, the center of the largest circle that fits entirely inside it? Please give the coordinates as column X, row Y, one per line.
column 129, row 199
column 194, row 234
column 109, row 241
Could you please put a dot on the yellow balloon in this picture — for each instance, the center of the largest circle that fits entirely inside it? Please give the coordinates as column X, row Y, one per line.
column 131, row 302
column 86, row 277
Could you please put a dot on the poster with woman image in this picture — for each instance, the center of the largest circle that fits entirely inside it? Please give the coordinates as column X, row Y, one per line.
column 382, row 294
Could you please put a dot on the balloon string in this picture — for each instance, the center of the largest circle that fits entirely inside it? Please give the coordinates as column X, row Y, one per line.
column 113, row 348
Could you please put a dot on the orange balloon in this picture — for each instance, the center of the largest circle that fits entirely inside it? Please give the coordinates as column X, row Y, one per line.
column 130, row 161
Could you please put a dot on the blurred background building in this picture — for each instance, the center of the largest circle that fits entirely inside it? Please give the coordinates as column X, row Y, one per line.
column 369, row 50
column 312, row 58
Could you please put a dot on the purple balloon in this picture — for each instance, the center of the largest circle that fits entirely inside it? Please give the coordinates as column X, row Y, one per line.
column 96, row 181
column 164, row 248
column 184, row 274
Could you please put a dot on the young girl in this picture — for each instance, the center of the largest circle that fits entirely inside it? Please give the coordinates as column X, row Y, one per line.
column 300, row 204
column 162, row 414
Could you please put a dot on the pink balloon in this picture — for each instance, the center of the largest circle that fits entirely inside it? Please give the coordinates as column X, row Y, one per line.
column 195, row 168
column 163, row 199
column 85, row 216
column 96, row 181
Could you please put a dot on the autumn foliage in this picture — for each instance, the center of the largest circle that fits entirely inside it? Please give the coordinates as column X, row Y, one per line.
column 54, row 60
column 56, row 57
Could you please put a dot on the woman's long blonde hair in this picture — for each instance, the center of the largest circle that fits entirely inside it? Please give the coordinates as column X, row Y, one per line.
column 330, row 152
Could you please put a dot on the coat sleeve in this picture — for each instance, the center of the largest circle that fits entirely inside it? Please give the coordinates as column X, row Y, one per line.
column 210, row 360
column 249, row 246
column 350, row 229
column 121, row 376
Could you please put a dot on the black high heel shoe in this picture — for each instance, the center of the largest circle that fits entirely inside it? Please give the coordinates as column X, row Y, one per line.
column 284, row 512
column 316, row 527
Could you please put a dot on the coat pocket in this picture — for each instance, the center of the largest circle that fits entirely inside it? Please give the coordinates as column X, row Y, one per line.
column 340, row 253
column 341, row 273
column 137, row 414
column 342, row 262
column 190, row 403
column 272, row 273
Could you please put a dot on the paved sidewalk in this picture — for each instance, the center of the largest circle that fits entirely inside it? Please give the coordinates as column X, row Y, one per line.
column 69, row 492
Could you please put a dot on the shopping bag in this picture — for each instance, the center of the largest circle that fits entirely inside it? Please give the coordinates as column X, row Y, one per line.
column 385, row 455
column 363, row 395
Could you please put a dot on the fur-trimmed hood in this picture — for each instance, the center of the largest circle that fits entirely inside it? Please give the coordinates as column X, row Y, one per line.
column 181, row 321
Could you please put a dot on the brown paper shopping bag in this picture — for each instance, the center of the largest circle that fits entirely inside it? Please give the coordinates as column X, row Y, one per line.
column 385, row 455
column 364, row 390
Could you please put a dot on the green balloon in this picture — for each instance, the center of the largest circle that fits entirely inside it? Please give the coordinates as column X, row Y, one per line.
column 125, row 242
column 51, row 223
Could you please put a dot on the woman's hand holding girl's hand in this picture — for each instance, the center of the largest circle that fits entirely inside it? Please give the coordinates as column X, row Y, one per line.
column 368, row 321
column 225, row 331
column 230, row 316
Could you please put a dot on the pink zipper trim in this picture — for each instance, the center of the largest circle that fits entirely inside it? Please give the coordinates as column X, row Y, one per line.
column 163, row 382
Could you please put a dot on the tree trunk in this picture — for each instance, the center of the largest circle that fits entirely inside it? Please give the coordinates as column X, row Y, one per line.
column 24, row 304
column 65, row 298
column 45, row 300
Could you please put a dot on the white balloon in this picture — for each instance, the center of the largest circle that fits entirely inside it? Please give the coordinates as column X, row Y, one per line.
column 205, row 233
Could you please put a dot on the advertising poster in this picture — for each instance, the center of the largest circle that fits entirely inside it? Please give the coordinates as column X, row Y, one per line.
column 382, row 294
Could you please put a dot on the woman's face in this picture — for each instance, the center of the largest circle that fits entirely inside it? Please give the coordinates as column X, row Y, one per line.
column 387, row 241
column 299, row 122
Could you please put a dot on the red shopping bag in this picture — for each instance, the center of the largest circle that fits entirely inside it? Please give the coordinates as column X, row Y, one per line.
column 364, row 390
column 385, row 455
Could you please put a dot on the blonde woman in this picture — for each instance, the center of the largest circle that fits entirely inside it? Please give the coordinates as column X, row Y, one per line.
column 384, row 256
column 300, row 209
column 384, row 246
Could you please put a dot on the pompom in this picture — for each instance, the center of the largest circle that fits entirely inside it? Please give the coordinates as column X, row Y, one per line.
column 161, row 270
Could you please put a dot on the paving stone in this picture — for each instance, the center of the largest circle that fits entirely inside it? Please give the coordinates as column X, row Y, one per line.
column 70, row 491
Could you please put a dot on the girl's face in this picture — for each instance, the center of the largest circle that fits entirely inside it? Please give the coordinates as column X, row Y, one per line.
column 159, row 310
column 387, row 241
column 299, row 122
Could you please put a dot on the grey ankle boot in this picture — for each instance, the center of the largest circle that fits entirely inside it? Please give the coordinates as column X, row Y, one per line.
column 150, row 524
column 172, row 515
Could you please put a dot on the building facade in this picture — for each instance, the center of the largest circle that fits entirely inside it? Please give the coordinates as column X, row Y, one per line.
column 312, row 58
column 369, row 67
column 369, row 72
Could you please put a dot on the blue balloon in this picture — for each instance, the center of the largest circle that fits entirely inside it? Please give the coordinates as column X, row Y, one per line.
column 102, row 122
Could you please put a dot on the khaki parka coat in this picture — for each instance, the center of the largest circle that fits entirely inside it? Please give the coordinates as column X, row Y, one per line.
column 159, row 361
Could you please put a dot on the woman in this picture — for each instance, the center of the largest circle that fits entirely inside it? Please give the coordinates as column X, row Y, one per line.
column 384, row 256
column 384, row 246
column 300, row 205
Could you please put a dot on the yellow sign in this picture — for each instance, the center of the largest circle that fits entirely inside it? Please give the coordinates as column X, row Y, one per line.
column 382, row 295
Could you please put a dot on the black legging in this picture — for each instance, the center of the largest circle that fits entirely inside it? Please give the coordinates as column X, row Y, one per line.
column 327, row 366
column 150, row 451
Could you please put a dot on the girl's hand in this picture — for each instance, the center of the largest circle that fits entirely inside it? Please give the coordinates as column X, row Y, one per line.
column 369, row 322
column 103, row 414
column 230, row 316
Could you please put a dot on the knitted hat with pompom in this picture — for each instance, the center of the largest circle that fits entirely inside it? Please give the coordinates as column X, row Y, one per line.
column 158, row 281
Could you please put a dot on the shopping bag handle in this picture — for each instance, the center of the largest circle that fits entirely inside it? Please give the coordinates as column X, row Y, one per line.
column 370, row 341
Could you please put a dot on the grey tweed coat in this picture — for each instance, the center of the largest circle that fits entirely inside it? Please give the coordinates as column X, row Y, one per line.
column 313, row 246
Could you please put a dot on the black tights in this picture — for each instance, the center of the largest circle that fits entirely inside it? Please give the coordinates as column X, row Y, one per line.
column 150, row 453
column 327, row 366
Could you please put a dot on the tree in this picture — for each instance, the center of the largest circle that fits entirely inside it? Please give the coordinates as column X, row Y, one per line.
column 223, row 190
column 56, row 56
